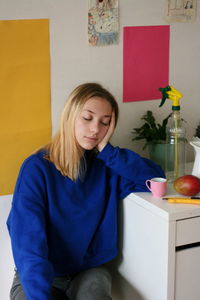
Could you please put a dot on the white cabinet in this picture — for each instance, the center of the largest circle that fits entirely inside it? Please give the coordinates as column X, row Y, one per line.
column 160, row 250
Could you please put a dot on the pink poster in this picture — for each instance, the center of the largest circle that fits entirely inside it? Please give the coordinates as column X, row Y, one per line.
column 145, row 62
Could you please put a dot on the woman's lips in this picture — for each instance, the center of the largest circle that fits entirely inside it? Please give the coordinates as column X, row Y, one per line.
column 92, row 139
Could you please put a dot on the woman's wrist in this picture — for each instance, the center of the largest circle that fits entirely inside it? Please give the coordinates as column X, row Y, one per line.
column 100, row 147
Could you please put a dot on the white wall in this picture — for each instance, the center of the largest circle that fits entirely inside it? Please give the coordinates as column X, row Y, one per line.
column 73, row 61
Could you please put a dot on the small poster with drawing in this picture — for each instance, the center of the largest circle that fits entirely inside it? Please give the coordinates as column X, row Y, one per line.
column 102, row 22
column 181, row 10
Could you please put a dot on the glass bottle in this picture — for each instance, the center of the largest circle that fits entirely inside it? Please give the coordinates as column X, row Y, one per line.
column 175, row 146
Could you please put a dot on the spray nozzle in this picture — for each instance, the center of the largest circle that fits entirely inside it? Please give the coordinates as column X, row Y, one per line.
column 171, row 93
column 164, row 94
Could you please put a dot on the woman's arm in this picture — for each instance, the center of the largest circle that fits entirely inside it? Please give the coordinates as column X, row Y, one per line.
column 27, row 228
column 133, row 169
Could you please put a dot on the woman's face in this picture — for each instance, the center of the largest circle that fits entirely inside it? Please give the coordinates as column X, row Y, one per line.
column 93, row 122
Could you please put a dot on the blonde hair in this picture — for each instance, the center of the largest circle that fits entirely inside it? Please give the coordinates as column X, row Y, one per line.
column 63, row 150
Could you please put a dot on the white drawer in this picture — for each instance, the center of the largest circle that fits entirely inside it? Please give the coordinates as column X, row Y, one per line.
column 188, row 231
column 187, row 274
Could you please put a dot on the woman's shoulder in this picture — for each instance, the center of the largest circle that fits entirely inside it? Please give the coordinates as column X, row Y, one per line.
column 33, row 173
column 36, row 160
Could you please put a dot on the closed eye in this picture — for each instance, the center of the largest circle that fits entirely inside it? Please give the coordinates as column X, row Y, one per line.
column 87, row 119
column 105, row 124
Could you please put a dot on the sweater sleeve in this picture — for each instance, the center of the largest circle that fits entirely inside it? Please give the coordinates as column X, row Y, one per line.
column 133, row 169
column 27, row 228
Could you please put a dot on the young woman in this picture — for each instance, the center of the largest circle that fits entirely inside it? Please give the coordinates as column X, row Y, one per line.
column 63, row 220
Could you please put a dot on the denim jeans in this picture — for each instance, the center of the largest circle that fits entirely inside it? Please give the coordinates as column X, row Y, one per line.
column 92, row 284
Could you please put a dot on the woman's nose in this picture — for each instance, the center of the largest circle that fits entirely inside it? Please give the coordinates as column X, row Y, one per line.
column 94, row 128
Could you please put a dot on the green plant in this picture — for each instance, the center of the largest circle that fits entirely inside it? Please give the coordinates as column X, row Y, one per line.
column 151, row 131
column 197, row 131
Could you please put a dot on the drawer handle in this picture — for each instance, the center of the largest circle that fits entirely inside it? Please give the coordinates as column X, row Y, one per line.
column 188, row 246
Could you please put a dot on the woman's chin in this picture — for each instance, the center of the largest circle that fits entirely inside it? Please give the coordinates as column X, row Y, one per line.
column 88, row 146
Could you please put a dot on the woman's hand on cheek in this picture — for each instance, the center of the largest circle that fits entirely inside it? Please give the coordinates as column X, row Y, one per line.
column 108, row 135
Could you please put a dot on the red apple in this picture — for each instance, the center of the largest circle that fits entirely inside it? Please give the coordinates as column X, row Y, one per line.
column 188, row 185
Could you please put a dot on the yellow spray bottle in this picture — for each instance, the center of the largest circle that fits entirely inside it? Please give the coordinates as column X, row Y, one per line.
column 176, row 141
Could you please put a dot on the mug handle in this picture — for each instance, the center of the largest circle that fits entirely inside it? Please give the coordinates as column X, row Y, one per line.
column 147, row 184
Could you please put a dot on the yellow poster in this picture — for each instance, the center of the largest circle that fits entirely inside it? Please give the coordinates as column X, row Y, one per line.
column 25, row 116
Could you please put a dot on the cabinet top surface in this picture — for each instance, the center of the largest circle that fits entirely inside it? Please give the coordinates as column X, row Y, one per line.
column 168, row 211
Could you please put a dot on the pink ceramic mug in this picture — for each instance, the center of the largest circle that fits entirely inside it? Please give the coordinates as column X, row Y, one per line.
column 157, row 186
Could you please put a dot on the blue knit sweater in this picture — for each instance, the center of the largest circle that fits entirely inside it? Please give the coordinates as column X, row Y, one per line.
column 59, row 227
